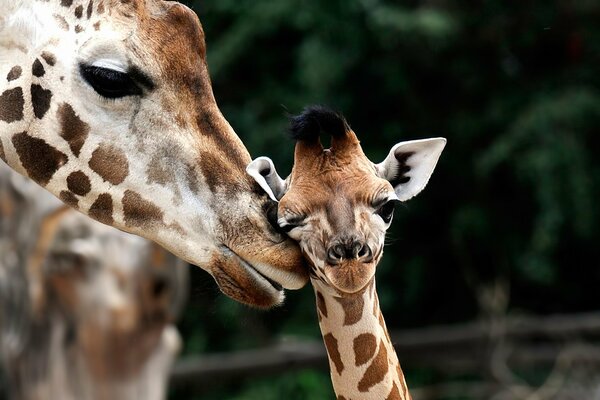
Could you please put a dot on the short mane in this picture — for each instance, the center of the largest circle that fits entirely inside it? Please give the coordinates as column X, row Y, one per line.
column 315, row 120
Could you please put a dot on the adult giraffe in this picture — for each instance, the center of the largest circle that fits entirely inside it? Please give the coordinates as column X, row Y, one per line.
column 338, row 205
column 108, row 105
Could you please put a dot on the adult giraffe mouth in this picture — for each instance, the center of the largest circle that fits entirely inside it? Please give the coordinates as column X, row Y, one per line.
column 248, row 283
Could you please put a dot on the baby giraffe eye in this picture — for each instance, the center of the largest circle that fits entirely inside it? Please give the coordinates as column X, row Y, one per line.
column 386, row 211
column 289, row 223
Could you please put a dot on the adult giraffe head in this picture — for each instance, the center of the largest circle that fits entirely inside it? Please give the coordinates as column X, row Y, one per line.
column 108, row 105
column 338, row 204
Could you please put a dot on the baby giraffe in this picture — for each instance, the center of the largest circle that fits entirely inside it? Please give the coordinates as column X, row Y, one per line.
column 338, row 205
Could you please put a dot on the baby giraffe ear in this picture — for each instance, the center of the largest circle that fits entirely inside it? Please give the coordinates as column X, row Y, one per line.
column 263, row 171
column 409, row 165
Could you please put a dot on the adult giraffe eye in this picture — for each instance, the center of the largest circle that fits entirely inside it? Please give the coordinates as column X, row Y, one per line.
column 386, row 211
column 110, row 83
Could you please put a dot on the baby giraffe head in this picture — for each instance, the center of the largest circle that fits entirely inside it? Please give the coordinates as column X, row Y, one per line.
column 338, row 204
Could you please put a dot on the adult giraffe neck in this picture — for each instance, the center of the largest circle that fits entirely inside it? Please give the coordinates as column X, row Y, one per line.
column 371, row 370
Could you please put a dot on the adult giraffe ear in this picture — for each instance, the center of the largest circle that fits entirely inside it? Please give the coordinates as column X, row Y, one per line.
column 263, row 171
column 409, row 165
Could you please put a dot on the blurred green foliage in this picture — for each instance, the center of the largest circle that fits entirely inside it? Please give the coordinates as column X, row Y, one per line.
column 515, row 88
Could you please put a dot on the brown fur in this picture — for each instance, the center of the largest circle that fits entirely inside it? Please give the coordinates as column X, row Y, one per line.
column 72, row 128
column 102, row 209
column 110, row 163
column 40, row 98
column 39, row 159
column 11, row 105
column 79, row 183
column 14, row 73
column 140, row 212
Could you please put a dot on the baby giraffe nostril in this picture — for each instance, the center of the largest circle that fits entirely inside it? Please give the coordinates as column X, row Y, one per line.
column 335, row 254
column 357, row 249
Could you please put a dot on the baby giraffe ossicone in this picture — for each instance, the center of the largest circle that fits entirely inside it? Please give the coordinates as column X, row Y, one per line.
column 338, row 205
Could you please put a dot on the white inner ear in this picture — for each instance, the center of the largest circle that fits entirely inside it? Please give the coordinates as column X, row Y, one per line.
column 421, row 156
column 263, row 171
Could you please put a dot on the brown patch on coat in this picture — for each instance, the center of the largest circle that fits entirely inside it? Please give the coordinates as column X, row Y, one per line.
column 102, row 209
column 39, row 159
column 394, row 393
column 79, row 183
column 96, row 26
column 62, row 22
column 49, row 58
column 11, row 105
column 140, row 213
column 14, row 73
column 78, row 29
column 157, row 173
column 376, row 371
column 40, row 98
column 66, row 3
column 217, row 172
column 364, row 346
column 100, row 8
column 321, row 305
column 90, row 9
column 333, row 351
column 79, row 11
column 72, row 128
column 69, row 199
column 110, row 163
column 353, row 308
column 37, row 69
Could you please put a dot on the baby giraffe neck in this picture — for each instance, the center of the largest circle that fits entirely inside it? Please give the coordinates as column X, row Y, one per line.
column 371, row 370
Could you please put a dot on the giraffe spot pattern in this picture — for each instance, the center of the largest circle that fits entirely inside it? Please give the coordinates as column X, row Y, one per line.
column 90, row 9
column 394, row 393
column 102, row 209
column 39, row 159
column 49, row 58
column 69, row 199
column 364, row 346
column 158, row 173
column 78, row 29
column 79, row 183
column 96, row 26
column 40, row 98
column 66, row 3
column 79, row 11
column 37, row 69
column 140, row 213
column 62, row 22
column 376, row 371
column 353, row 309
column 333, row 351
column 321, row 306
column 72, row 128
column 11, row 105
column 100, row 8
column 14, row 73
column 110, row 163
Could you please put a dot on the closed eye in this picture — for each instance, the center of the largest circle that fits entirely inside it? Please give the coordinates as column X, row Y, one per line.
column 287, row 224
column 113, row 84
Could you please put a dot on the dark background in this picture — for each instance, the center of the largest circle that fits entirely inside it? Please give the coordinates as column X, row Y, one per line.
column 508, row 224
